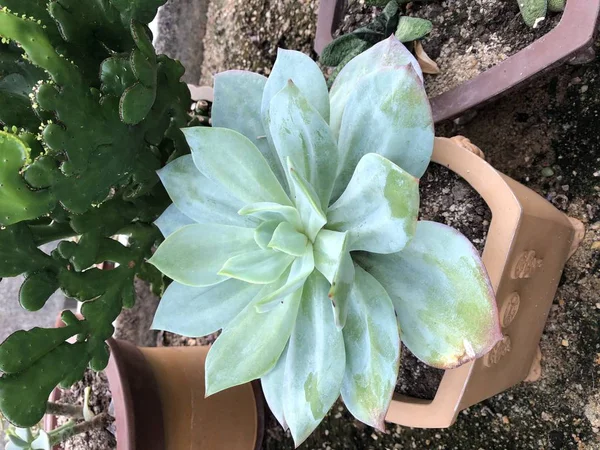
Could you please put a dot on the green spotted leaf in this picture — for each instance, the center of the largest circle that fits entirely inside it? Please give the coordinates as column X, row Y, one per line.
column 442, row 296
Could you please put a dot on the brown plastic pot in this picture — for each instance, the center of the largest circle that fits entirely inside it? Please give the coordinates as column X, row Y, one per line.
column 573, row 36
column 159, row 404
column 528, row 243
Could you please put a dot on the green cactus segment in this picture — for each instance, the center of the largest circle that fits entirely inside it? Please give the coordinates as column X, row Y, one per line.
column 19, row 253
column 23, row 348
column 556, row 5
column 23, row 396
column 17, row 201
column 86, row 75
column 37, row 289
column 533, row 11
column 412, row 28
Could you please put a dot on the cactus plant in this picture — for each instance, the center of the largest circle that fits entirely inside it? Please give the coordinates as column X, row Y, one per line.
column 391, row 21
column 294, row 229
column 90, row 112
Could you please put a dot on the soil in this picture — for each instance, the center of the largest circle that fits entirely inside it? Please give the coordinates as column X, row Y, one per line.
column 100, row 400
column 468, row 36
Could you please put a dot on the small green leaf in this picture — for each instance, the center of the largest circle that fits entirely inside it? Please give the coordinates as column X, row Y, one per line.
column 389, row 199
column 412, row 28
column 315, row 362
column 337, row 50
column 307, row 203
column 264, row 233
column 372, row 346
column 171, row 220
column 556, row 5
column 194, row 254
column 533, row 11
column 250, row 345
column 389, row 53
column 258, row 266
column 300, row 134
column 442, row 295
column 268, row 211
column 42, row 441
column 286, row 239
column 300, row 270
column 387, row 114
column 202, row 199
column 232, row 160
column 198, row 311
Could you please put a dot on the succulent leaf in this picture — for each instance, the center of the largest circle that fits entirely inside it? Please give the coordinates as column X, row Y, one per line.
column 412, row 28
column 314, row 361
column 300, row 270
column 238, row 166
column 390, row 204
column 375, row 119
column 389, row 53
column 198, row 311
column 312, row 149
column 268, row 211
column 307, row 202
column 288, row 240
column 336, row 51
column 273, row 388
column 171, row 220
column 372, row 351
column 199, row 196
column 264, row 233
column 533, row 11
column 556, row 5
column 305, row 74
column 240, row 354
column 238, row 100
column 445, row 304
column 194, row 254
column 258, row 266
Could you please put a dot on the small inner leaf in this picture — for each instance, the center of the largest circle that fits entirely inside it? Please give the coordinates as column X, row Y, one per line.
column 264, row 233
column 259, row 267
column 286, row 239
column 300, row 270
column 268, row 211
column 307, row 203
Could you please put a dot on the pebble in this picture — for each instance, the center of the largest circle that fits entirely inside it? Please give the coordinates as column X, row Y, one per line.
column 547, row 172
column 564, row 343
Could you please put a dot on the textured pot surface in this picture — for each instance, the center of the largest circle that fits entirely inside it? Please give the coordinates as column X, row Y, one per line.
column 528, row 243
column 146, row 381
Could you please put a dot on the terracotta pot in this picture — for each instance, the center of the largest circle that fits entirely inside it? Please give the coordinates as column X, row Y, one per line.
column 572, row 39
column 528, row 243
column 158, row 396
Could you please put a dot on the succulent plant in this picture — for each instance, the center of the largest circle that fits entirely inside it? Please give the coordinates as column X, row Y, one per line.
column 294, row 229
column 89, row 112
column 27, row 439
column 391, row 21
column 534, row 11
column 33, row 439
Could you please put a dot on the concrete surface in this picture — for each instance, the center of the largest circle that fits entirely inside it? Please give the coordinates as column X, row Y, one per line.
column 180, row 26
